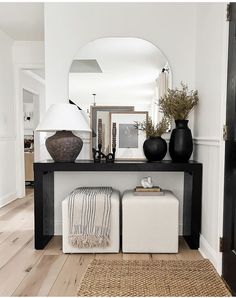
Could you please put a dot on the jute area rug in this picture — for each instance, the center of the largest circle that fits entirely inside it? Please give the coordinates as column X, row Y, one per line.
column 152, row 278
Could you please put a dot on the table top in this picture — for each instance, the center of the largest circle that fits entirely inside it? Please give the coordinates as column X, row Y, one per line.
column 118, row 165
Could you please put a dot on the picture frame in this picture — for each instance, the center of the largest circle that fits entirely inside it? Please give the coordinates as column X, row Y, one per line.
column 103, row 112
column 128, row 140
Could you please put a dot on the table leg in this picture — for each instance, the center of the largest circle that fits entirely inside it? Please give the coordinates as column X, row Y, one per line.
column 43, row 208
column 192, row 207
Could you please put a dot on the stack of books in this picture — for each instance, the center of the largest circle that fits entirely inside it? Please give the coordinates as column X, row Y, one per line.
column 154, row 191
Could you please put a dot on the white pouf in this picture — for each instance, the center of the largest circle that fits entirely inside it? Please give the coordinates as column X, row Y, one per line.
column 114, row 246
column 150, row 223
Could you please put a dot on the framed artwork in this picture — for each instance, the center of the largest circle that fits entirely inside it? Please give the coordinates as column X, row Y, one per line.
column 100, row 123
column 127, row 139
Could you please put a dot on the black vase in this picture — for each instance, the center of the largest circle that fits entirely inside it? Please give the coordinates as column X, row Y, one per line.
column 155, row 148
column 181, row 142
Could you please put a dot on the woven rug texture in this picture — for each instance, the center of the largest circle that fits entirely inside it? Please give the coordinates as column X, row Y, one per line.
column 152, row 278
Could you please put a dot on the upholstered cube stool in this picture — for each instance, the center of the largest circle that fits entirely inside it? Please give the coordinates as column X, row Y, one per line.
column 114, row 245
column 150, row 223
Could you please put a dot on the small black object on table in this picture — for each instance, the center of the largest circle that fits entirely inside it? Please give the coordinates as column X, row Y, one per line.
column 99, row 156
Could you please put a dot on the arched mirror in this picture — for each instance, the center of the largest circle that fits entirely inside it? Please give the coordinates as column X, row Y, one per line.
column 118, row 81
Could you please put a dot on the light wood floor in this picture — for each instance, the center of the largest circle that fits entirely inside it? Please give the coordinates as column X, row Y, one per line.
column 27, row 272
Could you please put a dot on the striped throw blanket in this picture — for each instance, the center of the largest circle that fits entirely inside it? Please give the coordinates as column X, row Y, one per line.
column 89, row 216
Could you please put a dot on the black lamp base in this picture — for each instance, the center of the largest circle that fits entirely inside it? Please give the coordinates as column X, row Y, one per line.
column 64, row 146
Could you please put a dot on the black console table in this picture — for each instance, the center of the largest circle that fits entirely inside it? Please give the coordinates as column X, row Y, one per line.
column 44, row 192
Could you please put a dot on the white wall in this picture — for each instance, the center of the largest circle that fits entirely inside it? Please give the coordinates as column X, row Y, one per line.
column 69, row 26
column 7, row 122
column 28, row 53
column 211, row 66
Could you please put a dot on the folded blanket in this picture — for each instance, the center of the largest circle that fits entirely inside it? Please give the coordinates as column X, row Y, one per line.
column 89, row 210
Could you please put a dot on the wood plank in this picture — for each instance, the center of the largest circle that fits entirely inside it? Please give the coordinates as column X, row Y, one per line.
column 41, row 278
column 15, row 212
column 15, row 204
column 29, row 190
column 14, row 244
column 54, row 247
column 23, row 220
column 70, row 277
column 17, row 268
column 18, row 213
column 185, row 253
column 8, row 232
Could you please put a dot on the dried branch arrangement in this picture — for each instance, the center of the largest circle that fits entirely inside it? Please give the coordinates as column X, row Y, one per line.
column 178, row 104
column 153, row 130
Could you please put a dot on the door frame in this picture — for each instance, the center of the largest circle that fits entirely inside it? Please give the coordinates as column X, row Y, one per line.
column 208, row 251
column 224, row 78
column 20, row 165
column 230, row 137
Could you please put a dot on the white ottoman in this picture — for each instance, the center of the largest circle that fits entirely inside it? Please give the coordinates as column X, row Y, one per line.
column 114, row 246
column 150, row 223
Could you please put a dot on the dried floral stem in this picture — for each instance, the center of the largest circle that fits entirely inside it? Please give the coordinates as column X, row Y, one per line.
column 151, row 129
column 178, row 104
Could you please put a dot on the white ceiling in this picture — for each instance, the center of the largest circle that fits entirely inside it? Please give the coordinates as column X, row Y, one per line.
column 129, row 67
column 40, row 72
column 22, row 21
column 82, row 66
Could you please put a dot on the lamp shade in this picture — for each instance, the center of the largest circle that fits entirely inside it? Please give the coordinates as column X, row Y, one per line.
column 63, row 116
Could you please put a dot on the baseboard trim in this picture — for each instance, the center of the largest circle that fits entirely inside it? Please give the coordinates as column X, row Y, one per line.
column 58, row 228
column 5, row 200
column 208, row 252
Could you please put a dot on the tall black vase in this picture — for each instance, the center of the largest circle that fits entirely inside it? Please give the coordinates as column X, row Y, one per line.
column 181, row 142
column 155, row 148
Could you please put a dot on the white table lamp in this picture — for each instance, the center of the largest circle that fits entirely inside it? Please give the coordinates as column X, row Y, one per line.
column 64, row 146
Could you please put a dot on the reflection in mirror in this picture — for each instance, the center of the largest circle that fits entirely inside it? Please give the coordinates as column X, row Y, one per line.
column 118, row 75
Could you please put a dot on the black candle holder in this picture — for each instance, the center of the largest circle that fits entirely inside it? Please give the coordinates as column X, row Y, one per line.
column 99, row 156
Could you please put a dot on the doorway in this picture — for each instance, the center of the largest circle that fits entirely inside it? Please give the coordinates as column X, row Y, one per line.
column 31, row 120
column 30, row 104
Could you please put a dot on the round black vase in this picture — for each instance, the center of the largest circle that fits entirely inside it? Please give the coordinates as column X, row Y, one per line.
column 155, row 148
column 181, row 142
